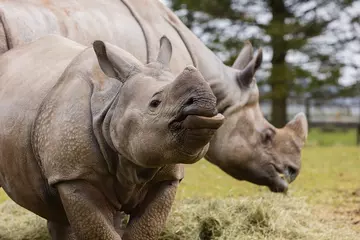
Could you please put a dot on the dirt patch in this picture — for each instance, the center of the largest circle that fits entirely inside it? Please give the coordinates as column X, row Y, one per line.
column 347, row 213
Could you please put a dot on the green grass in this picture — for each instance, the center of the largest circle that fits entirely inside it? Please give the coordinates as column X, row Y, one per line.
column 3, row 196
column 325, row 172
column 338, row 137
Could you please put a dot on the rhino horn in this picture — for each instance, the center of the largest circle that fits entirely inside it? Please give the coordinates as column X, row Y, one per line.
column 246, row 76
column 299, row 126
column 244, row 56
column 115, row 62
column 165, row 51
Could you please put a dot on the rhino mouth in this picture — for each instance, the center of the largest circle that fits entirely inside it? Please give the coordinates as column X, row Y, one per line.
column 202, row 122
column 193, row 132
column 281, row 182
column 192, row 120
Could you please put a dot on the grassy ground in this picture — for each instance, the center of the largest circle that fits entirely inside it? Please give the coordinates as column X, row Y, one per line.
column 326, row 172
column 337, row 138
column 326, row 195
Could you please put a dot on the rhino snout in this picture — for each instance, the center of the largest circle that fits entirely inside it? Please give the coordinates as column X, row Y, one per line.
column 198, row 105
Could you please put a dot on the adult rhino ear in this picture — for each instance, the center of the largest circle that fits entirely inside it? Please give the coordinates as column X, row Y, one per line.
column 165, row 51
column 299, row 126
column 115, row 62
column 246, row 76
column 244, row 56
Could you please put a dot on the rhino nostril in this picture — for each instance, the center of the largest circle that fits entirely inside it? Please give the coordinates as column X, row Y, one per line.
column 189, row 102
column 292, row 172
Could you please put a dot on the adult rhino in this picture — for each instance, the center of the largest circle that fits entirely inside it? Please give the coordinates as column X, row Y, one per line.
column 247, row 146
column 77, row 146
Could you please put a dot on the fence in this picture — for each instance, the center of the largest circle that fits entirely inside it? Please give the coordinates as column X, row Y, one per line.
column 332, row 114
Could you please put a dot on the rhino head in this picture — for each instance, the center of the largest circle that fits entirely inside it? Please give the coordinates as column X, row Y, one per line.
column 247, row 146
column 158, row 118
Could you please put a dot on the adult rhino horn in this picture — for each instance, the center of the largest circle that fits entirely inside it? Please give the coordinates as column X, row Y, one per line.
column 246, row 76
column 114, row 61
column 244, row 56
column 299, row 126
column 165, row 51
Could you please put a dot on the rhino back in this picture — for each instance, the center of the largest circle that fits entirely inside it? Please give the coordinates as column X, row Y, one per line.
column 135, row 25
column 27, row 75
column 83, row 21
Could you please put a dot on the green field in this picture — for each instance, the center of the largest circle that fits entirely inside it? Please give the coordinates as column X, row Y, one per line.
column 337, row 138
column 326, row 171
column 329, row 180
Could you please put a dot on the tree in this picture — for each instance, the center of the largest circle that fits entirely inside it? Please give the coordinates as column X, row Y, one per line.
column 304, row 37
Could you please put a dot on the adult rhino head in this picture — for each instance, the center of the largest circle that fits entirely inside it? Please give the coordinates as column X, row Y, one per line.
column 158, row 118
column 247, row 146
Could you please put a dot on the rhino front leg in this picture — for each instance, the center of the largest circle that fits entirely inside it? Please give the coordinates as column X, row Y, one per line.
column 148, row 220
column 88, row 211
column 60, row 232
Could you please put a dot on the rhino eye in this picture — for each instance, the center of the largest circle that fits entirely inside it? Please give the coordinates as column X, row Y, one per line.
column 267, row 136
column 155, row 103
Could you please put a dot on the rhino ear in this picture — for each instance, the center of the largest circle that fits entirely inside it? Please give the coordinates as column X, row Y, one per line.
column 165, row 51
column 246, row 76
column 299, row 126
column 244, row 56
column 115, row 62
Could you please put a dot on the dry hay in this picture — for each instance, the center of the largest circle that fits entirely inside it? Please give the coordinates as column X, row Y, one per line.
column 257, row 218
column 16, row 223
column 270, row 216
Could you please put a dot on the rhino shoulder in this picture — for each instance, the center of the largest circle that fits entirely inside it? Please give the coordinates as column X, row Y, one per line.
column 62, row 136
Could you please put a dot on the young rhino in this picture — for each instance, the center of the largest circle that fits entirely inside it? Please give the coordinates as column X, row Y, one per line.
column 78, row 145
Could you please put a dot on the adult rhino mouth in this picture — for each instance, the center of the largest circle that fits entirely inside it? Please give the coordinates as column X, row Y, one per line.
column 282, row 180
column 281, row 184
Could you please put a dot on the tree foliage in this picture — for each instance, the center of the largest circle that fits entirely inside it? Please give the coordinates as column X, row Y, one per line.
column 309, row 42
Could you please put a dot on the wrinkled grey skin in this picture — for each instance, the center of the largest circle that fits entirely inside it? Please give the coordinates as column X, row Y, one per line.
column 247, row 147
column 87, row 132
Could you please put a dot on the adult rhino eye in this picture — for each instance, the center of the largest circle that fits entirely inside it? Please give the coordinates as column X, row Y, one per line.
column 267, row 136
column 155, row 103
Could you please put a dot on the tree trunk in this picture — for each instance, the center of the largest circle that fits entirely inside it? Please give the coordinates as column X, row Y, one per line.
column 279, row 79
column 307, row 109
column 278, row 114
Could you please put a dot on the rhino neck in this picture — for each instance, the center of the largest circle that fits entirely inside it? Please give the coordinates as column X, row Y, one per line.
column 195, row 51
column 130, row 178
column 219, row 76
column 128, row 174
